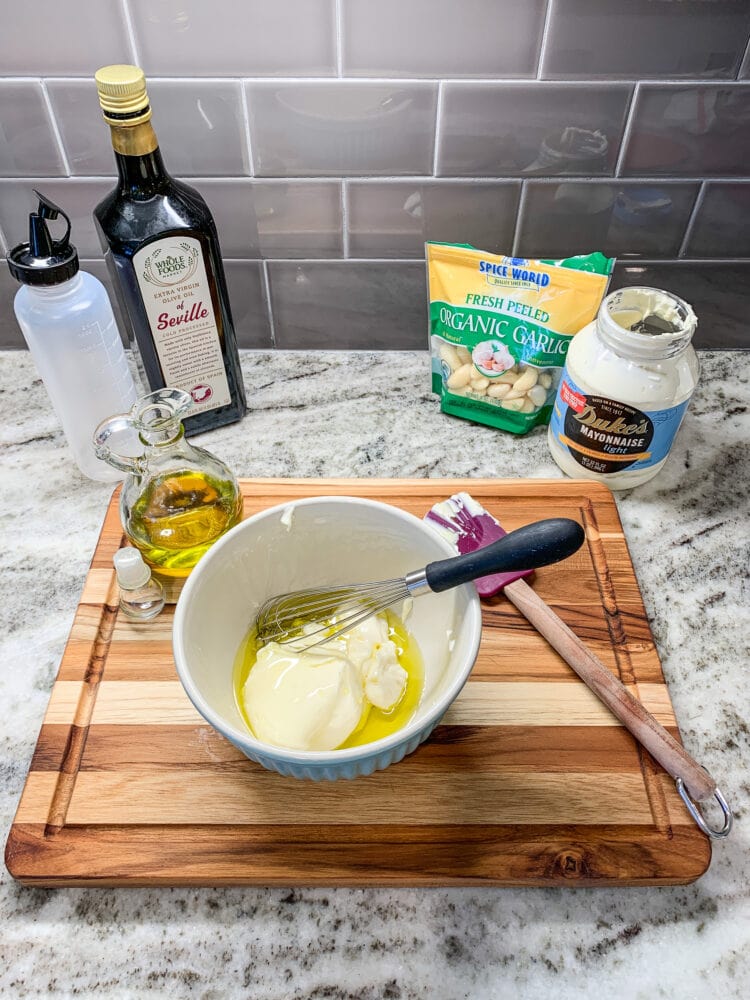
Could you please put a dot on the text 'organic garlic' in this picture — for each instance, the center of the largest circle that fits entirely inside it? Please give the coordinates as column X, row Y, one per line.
column 500, row 328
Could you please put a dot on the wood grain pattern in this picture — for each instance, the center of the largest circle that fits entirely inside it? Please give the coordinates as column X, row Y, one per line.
column 529, row 779
column 631, row 711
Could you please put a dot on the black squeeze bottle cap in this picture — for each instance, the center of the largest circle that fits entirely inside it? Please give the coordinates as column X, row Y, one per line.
column 44, row 261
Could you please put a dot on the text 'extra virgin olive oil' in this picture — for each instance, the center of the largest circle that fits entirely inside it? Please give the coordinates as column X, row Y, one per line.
column 162, row 253
column 179, row 516
column 375, row 723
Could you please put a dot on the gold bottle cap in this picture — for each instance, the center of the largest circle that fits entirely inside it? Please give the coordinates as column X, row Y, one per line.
column 122, row 94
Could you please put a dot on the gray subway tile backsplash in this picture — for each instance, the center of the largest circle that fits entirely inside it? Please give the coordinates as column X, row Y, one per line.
column 50, row 38
column 342, row 128
column 395, row 218
column 619, row 218
column 718, row 292
column 232, row 204
column 246, row 287
column 349, row 304
column 722, row 222
column 27, row 140
column 332, row 138
column 275, row 218
column 83, row 131
column 697, row 130
column 236, row 37
column 646, row 38
column 200, row 125
column 299, row 218
column 531, row 129
column 441, row 38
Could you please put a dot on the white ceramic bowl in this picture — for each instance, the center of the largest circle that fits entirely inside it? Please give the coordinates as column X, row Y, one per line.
column 329, row 540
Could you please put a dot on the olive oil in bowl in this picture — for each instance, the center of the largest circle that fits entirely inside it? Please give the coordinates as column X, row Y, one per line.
column 375, row 723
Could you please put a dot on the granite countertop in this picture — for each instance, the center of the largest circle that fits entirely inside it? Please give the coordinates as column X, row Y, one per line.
column 372, row 415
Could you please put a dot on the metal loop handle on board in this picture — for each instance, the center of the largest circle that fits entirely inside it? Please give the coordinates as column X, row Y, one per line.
column 695, row 812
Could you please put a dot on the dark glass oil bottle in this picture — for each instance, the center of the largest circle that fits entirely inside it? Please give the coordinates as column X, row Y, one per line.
column 162, row 252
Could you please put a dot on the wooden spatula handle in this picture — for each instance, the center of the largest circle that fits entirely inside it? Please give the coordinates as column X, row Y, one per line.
column 611, row 691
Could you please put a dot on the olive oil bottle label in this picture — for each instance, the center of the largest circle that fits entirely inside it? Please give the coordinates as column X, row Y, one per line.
column 172, row 279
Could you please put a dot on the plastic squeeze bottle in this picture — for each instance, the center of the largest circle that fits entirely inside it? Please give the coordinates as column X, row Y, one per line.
column 66, row 318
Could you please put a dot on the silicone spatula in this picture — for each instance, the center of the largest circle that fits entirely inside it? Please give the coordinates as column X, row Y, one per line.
column 468, row 526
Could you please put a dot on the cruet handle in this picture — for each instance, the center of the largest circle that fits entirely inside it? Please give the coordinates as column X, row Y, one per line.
column 136, row 464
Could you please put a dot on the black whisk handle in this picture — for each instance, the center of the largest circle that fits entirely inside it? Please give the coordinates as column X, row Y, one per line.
column 536, row 544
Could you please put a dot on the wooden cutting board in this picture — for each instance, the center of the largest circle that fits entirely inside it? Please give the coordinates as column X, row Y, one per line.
column 528, row 780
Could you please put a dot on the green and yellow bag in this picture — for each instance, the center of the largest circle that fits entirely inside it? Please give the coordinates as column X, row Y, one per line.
column 500, row 329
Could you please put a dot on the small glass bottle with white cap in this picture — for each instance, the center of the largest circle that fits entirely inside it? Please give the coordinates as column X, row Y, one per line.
column 141, row 595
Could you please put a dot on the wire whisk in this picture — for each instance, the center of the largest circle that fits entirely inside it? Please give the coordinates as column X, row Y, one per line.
column 306, row 618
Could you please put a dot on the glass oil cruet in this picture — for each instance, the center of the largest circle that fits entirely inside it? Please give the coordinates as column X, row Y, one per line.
column 177, row 499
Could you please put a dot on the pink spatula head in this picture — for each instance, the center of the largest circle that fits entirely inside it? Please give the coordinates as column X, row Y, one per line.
column 468, row 526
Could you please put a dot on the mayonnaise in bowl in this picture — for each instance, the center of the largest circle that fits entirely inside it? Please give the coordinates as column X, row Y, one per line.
column 343, row 692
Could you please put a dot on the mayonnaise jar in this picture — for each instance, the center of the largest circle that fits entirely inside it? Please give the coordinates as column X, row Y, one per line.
column 627, row 382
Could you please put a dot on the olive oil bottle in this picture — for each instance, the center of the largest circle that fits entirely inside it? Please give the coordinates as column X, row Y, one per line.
column 177, row 499
column 162, row 254
column 179, row 516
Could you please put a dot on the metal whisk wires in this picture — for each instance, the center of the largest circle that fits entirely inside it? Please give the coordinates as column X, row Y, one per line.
column 306, row 618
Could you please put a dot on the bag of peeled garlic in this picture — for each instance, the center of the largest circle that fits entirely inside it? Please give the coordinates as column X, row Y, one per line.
column 500, row 329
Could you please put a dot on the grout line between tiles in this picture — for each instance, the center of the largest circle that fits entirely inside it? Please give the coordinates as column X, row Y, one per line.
column 273, row 80
column 675, row 262
column 345, row 219
column 438, row 127
column 400, row 81
column 742, row 62
column 227, row 259
column 519, row 219
column 626, row 132
column 692, row 220
column 130, row 28
column 55, row 128
column 337, row 178
column 269, row 306
column 4, row 245
column 359, row 179
column 648, row 179
column 396, row 81
column 372, row 179
column 543, row 42
column 339, row 38
column 630, row 262
column 246, row 122
column 333, row 260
